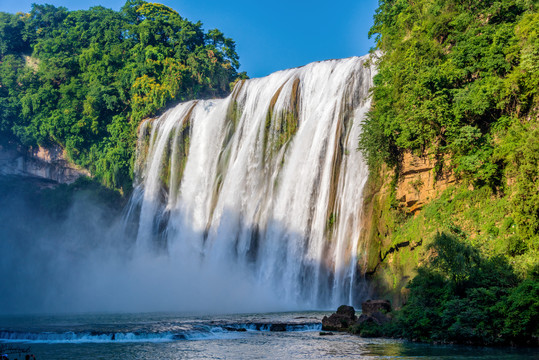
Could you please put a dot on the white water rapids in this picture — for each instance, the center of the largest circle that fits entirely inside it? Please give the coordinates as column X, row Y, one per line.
column 266, row 184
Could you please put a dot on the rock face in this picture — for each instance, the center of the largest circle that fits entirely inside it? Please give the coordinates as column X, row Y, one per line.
column 387, row 267
column 375, row 311
column 341, row 320
column 370, row 307
column 46, row 163
column 418, row 183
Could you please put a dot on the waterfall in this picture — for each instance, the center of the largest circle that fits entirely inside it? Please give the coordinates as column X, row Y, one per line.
column 267, row 182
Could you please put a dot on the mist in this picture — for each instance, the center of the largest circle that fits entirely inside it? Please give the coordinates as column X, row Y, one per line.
column 83, row 261
column 250, row 203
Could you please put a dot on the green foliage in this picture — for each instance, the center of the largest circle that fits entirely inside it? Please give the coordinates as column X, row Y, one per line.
column 369, row 329
column 521, row 310
column 84, row 79
column 453, row 259
column 525, row 197
column 470, row 273
column 450, row 75
column 459, row 80
column 487, row 218
column 460, row 296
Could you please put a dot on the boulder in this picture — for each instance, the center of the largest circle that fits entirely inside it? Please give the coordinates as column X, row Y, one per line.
column 324, row 333
column 341, row 320
column 345, row 310
column 375, row 312
column 371, row 306
column 377, row 318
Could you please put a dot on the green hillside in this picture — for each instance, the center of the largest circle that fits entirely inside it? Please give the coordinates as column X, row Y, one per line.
column 458, row 83
column 84, row 79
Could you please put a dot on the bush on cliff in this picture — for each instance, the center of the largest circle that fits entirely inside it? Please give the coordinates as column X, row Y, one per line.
column 453, row 77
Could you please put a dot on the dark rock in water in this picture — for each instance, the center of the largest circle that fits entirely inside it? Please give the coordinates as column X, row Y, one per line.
column 230, row 328
column 278, row 327
column 324, row 333
column 346, row 310
column 371, row 306
column 377, row 318
column 375, row 313
column 341, row 320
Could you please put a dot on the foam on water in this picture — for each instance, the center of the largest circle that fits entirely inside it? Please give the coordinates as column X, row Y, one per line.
column 198, row 332
column 72, row 337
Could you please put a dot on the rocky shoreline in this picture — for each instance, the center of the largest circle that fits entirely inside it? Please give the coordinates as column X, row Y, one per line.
column 374, row 315
column 378, row 320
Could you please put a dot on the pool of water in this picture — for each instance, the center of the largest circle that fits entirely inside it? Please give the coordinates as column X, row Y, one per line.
column 244, row 336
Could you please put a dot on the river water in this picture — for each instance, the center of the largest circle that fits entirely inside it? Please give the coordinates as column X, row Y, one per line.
column 244, row 336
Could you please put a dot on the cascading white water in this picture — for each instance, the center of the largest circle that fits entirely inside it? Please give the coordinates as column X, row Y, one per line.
column 267, row 181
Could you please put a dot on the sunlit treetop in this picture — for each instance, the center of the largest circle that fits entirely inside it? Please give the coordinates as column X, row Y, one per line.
column 84, row 79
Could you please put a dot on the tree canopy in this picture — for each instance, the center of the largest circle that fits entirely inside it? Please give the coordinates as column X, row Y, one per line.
column 453, row 76
column 459, row 80
column 84, row 79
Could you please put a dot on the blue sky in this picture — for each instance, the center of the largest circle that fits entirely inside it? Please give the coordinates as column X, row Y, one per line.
column 269, row 35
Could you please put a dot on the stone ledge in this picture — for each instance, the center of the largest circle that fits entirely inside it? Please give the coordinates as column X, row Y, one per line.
column 45, row 163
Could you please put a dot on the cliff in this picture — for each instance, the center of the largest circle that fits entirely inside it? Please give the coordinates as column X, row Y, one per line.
column 418, row 183
column 391, row 201
column 42, row 163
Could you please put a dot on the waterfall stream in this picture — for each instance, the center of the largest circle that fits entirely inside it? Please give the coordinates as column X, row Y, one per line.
column 267, row 182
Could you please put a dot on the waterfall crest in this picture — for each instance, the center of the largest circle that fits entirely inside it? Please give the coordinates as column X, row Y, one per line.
column 267, row 182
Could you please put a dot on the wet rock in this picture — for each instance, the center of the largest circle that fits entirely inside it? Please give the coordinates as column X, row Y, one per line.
column 375, row 312
column 230, row 328
column 325, row 333
column 345, row 310
column 341, row 320
column 278, row 327
column 371, row 306
column 377, row 318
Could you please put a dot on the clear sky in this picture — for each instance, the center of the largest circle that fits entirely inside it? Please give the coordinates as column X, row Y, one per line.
column 270, row 35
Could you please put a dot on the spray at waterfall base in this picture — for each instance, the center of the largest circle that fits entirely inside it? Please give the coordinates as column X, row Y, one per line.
column 246, row 204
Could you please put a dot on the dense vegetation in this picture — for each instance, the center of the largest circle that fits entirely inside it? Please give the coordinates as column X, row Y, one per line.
column 459, row 81
column 461, row 296
column 84, row 79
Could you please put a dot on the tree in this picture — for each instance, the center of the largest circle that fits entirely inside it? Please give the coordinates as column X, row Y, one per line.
column 94, row 74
